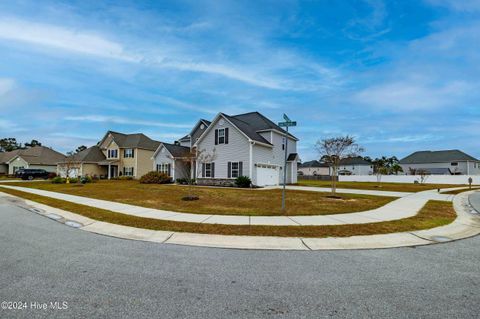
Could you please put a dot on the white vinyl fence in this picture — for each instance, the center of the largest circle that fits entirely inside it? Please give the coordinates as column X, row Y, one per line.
column 429, row 179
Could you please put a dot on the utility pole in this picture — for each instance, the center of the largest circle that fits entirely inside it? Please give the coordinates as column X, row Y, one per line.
column 285, row 124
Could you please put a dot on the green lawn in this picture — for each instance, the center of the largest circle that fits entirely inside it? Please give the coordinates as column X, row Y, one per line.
column 394, row 187
column 225, row 201
column 433, row 214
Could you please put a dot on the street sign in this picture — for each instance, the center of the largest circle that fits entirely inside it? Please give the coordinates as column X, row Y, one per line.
column 286, row 118
column 287, row 124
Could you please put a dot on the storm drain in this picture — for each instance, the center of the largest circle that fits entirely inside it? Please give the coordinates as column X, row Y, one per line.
column 73, row 224
column 441, row 239
column 35, row 210
column 54, row 216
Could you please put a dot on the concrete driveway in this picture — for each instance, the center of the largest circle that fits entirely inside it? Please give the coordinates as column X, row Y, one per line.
column 44, row 261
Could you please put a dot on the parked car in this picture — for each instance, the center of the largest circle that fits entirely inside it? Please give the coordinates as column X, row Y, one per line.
column 31, row 174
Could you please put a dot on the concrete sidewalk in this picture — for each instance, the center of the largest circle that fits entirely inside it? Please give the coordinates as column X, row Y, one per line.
column 466, row 225
column 404, row 207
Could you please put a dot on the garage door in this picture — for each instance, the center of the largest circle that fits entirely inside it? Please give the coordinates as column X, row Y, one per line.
column 267, row 175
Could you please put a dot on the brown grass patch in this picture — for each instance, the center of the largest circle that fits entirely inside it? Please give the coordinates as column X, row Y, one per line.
column 433, row 214
column 224, row 201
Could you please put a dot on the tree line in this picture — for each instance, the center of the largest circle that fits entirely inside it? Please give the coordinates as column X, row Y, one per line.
column 8, row 144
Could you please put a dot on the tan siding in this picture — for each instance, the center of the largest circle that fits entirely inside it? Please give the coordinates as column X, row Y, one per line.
column 144, row 162
column 94, row 169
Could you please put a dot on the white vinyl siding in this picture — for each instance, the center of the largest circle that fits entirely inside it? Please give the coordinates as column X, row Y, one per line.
column 237, row 150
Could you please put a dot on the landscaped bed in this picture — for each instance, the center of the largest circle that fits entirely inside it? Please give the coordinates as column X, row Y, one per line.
column 433, row 214
column 225, row 201
column 392, row 187
column 458, row 191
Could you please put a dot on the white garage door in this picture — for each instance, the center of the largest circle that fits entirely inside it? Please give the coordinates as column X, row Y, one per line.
column 267, row 175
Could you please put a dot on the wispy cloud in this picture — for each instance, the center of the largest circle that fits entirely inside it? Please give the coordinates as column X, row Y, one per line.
column 6, row 85
column 123, row 120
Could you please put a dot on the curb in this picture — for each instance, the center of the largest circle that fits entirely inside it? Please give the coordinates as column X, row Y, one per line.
column 465, row 225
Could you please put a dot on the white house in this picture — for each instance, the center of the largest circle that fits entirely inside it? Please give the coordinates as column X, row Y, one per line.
column 314, row 168
column 355, row 166
column 241, row 145
column 447, row 162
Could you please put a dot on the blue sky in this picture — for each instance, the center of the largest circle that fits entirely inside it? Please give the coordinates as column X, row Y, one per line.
column 399, row 75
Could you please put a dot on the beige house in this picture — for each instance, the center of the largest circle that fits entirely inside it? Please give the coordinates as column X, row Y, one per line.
column 116, row 154
column 37, row 157
column 84, row 163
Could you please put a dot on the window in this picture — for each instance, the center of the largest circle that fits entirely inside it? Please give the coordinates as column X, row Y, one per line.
column 128, row 171
column 454, row 164
column 164, row 168
column 221, row 136
column 128, row 153
column 234, row 169
column 112, row 153
column 208, row 170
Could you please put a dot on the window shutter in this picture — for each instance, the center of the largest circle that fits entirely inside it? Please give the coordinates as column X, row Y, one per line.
column 213, row 170
column 124, row 152
column 226, row 135
column 169, row 170
column 216, row 137
column 133, row 172
column 240, row 168
column 203, row 169
column 133, row 153
column 229, row 172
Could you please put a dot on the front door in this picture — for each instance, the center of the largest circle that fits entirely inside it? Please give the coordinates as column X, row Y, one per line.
column 113, row 171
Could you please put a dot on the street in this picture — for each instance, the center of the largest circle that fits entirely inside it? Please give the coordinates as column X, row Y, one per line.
column 44, row 261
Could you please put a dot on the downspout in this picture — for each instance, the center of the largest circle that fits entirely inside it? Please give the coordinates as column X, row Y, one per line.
column 250, row 169
column 468, row 168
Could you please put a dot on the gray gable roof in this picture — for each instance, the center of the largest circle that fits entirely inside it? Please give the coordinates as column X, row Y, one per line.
column 313, row 163
column 423, row 157
column 357, row 160
column 137, row 140
column 258, row 122
column 177, row 150
column 39, row 155
column 90, row 155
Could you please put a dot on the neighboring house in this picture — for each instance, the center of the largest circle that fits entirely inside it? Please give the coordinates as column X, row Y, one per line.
column 314, row 168
column 37, row 157
column 123, row 155
column 355, row 166
column 448, row 162
column 86, row 162
column 243, row 145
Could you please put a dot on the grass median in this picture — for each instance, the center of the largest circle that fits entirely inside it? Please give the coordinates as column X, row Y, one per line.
column 433, row 214
column 223, row 201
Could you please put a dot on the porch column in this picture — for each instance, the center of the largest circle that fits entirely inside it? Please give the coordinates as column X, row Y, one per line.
column 109, row 171
column 173, row 171
column 192, row 169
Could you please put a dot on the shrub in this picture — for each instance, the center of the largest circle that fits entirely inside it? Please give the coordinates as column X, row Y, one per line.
column 52, row 175
column 58, row 180
column 185, row 181
column 243, row 181
column 85, row 179
column 155, row 178
column 125, row 178
column 73, row 180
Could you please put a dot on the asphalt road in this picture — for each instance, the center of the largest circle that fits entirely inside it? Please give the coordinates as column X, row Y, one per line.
column 44, row 261
column 475, row 200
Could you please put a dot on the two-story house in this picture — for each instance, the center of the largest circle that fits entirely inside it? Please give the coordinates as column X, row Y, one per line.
column 116, row 154
column 241, row 145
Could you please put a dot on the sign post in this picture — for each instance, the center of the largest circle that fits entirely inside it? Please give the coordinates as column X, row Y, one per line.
column 285, row 124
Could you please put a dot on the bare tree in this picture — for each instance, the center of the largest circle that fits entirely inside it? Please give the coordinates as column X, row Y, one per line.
column 190, row 161
column 69, row 165
column 423, row 175
column 335, row 149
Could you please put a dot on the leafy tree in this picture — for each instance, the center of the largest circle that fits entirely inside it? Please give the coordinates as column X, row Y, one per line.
column 335, row 149
column 80, row 148
column 33, row 143
column 9, row 144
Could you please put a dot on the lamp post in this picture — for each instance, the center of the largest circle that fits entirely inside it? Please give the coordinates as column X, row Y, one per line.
column 285, row 124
